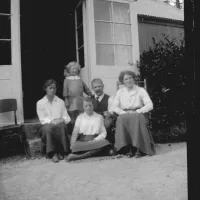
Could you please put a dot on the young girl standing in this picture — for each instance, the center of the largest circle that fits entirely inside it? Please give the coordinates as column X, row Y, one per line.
column 73, row 90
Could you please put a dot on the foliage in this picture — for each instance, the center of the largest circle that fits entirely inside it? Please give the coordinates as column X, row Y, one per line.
column 163, row 68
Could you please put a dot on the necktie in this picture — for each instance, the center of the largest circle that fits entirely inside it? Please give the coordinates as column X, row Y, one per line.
column 97, row 98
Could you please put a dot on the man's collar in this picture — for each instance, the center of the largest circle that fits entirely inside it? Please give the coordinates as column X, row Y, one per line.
column 100, row 97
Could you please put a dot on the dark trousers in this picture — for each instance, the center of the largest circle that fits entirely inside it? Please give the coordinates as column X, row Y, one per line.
column 55, row 138
column 109, row 122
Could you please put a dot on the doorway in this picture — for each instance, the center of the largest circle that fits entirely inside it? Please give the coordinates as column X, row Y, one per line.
column 48, row 43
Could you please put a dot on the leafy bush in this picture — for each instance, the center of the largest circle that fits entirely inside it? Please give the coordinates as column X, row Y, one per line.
column 163, row 68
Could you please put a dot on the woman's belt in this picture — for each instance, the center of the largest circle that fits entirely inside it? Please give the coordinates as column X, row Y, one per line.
column 83, row 137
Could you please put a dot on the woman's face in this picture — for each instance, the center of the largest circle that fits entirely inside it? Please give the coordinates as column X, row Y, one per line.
column 88, row 107
column 128, row 81
column 74, row 70
column 51, row 90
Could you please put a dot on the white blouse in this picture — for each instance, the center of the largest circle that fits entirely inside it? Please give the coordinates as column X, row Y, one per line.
column 47, row 111
column 91, row 125
column 136, row 99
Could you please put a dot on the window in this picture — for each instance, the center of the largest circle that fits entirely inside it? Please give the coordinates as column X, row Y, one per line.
column 5, row 33
column 112, row 33
column 79, row 35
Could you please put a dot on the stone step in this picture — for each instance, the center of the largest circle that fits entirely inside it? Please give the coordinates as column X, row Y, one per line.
column 34, row 142
column 32, row 129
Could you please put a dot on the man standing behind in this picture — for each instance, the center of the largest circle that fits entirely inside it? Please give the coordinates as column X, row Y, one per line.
column 102, row 103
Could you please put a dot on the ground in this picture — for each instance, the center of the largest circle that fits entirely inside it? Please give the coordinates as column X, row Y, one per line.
column 160, row 177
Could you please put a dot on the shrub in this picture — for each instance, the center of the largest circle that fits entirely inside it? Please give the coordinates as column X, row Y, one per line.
column 162, row 65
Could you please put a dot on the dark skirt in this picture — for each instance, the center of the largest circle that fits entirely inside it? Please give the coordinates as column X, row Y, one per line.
column 132, row 129
column 55, row 138
column 86, row 143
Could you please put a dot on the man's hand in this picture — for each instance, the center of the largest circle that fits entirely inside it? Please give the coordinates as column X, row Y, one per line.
column 107, row 113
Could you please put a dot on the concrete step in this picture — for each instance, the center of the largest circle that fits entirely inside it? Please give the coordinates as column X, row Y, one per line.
column 34, row 142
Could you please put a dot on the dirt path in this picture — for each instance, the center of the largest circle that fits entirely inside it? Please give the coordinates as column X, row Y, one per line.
column 161, row 177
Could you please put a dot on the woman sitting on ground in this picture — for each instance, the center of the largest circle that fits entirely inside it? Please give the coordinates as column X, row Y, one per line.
column 53, row 116
column 88, row 137
column 131, row 103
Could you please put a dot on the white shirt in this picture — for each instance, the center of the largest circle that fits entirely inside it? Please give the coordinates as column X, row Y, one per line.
column 136, row 99
column 91, row 125
column 48, row 111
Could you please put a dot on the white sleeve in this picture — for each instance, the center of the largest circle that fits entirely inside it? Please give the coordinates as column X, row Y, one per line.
column 102, row 135
column 148, row 104
column 65, row 114
column 76, row 130
column 41, row 114
column 116, row 104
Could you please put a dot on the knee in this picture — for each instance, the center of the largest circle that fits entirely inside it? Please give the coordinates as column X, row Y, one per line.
column 108, row 122
column 46, row 128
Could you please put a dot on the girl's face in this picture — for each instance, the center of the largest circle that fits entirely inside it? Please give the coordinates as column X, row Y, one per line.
column 51, row 90
column 128, row 81
column 88, row 107
column 74, row 70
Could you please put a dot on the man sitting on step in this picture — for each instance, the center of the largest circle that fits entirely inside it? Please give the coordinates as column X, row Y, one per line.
column 102, row 103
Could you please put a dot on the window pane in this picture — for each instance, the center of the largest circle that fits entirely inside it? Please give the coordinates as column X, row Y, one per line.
column 5, row 6
column 103, row 32
column 102, row 10
column 81, row 57
column 122, row 34
column 123, row 55
column 105, row 54
column 5, row 27
column 121, row 12
column 80, row 36
column 79, row 15
column 5, row 52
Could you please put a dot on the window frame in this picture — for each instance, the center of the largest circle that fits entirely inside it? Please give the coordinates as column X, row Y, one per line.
column 113, row 24
column 8, row 39
column 82, row 5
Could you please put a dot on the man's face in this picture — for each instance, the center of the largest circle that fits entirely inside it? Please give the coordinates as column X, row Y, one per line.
column 97, row 86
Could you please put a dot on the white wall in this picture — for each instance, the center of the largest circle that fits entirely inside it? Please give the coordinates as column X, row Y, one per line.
column 10, row 75
column 109, row 74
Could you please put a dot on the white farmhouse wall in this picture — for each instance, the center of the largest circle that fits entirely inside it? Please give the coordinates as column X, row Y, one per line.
column 109, row 74
column 10, row 75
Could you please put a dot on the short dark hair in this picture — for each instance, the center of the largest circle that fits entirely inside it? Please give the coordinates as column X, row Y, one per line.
column 126, row 72
column 87, row 99
column 96, row 80
column 48, row 83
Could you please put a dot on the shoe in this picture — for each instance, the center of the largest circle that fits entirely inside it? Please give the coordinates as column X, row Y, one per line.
column 55, row 158
column 138, row 154
column 88, row 154
column 71, row 157
column 129, row 154
column 60, row 156
column 112, row 152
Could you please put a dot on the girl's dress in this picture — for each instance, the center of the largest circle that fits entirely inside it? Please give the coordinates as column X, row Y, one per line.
column 73, row 89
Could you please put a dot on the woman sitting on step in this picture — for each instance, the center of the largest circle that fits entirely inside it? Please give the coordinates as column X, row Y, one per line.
column 53, row 117
column 88, row 137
